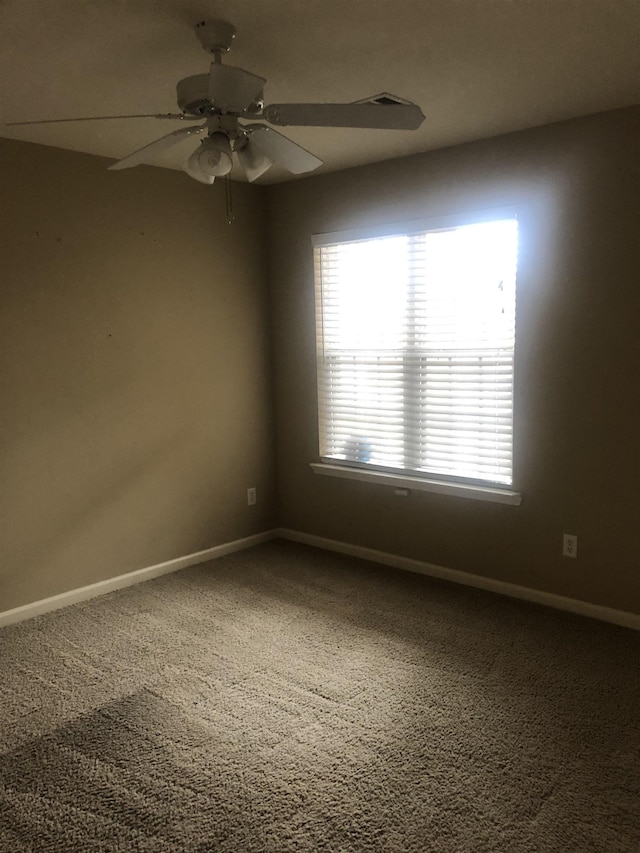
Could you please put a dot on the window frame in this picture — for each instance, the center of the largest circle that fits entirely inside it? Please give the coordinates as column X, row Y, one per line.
column 404, row 480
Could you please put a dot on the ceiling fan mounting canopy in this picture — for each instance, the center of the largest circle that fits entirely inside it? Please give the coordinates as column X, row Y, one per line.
column 215, row 36
column 227, row 97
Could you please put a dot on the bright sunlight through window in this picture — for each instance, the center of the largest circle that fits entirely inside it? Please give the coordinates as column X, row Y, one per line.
column 416, row 335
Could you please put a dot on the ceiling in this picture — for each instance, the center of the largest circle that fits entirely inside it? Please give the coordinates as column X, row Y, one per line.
column 476, row 67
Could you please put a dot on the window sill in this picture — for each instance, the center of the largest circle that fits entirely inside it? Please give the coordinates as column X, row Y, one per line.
column 418, row 484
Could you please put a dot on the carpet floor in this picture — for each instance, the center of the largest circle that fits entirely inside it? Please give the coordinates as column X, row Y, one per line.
column 289, row 699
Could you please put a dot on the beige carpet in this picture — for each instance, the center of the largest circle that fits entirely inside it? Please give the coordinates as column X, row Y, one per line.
column 287, row 699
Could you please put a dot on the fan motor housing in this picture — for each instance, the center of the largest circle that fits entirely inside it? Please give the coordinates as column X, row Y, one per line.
column 193, row 95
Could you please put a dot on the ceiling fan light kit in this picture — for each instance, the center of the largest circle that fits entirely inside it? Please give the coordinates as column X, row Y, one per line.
column 213, row 156
column 253, row 161
column 227, row 97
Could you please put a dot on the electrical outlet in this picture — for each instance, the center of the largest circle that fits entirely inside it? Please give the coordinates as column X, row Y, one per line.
column 251, row 496
column 569, row 545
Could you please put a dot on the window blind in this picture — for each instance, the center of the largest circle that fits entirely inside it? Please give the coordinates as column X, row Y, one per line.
column 415, row 343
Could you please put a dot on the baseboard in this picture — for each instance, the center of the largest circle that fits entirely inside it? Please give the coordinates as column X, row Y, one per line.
column 548, row 599
column 83, row 593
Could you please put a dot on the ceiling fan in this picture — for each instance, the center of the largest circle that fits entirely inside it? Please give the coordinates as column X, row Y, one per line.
column 228, row 103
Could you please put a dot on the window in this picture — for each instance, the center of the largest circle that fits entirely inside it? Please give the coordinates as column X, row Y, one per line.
column 415, row 339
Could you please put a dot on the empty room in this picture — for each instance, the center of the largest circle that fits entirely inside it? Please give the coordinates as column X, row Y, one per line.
column 319, row 524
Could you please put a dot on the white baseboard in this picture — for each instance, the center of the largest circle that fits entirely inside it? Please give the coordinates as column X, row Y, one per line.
column 559, row 602
column 549, row 599
column 55, row 602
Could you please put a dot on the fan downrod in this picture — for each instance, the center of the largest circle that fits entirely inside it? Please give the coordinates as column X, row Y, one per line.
column 215, row 36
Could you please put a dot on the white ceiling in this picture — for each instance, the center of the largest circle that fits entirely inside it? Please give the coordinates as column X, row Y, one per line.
column 476, row 67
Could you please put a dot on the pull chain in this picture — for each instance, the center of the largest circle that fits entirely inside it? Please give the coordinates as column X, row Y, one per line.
column 228, row 199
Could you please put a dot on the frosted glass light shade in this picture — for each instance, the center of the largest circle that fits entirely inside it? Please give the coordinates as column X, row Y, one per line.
column 212, row 158
column 253, row 161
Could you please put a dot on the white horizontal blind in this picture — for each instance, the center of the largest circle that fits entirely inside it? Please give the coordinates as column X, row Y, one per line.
column 415, row 338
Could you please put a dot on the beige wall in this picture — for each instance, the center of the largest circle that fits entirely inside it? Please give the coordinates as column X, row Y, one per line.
column 136, row 385
column 135, row 379
column 577, row 411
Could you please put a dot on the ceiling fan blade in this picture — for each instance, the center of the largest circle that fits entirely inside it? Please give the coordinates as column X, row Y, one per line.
column 378, row 116
column 178, row 116
column 253, row 160
column 233, row 89
column 143, row 154
column 282, row 150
